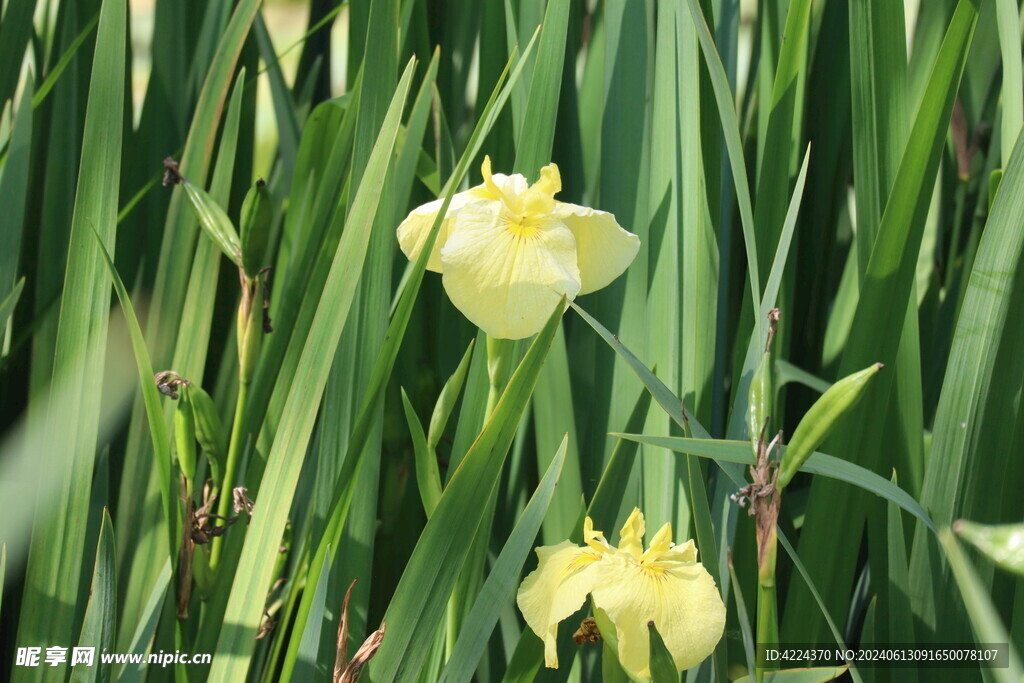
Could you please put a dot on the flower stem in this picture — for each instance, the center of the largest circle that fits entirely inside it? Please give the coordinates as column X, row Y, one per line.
column 767, row 608
column 500, row 359
column 500, row 356
column 224, row 499
column 251, row 326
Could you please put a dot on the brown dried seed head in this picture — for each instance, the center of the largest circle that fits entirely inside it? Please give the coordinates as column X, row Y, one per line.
column 587, row 632
column 168, row 381
column 242, row 502
column 172, row 176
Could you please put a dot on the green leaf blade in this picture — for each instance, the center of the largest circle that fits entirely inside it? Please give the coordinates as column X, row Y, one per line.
column 57, row 549
column 98, row 629
column 453, row 525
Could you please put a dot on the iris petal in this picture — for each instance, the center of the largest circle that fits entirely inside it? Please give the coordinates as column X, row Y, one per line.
column 506, row 273
column 679, row 597
column 556, row 589
column 631, row 536
column 414, row 230
column 604, row 249
column 687, row 552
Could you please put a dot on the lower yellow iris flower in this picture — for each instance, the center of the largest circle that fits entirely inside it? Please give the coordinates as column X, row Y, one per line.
column 508, row 251
column 632, row 587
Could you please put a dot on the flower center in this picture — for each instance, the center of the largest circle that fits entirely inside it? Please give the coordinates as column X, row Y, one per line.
column 524, row 211
column 522, row 226
column 653, row 570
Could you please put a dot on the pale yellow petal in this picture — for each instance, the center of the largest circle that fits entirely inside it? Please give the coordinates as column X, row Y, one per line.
column 485, row 171
column 506, row 276
column 550, row 181
column 631, row 536
column 662, row 548
column 511, row 185
column 555, row 590
column 684, row 552
column 540, row 198
column 499, row 185
column 604, row 250
column 679, row 597
column 414, row 230
column 660, row 544
column 594, row 538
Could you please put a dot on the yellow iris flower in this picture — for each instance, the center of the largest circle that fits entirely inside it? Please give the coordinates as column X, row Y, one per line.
column 508, row 251
column 630, row 587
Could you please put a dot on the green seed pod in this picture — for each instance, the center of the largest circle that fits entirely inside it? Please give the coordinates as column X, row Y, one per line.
column 840, row 398
column 185, row 436
column 759, row 404
column 257, row 215
column 1001, row 543
column 214, row 222
column 250, row 328
column 209, row 429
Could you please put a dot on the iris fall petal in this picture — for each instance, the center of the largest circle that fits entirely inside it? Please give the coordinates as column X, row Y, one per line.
column 603, row 249
column 507, row 277
column 555, row 590
column 679, row 597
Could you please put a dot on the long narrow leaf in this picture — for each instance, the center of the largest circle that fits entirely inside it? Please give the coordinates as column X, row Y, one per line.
column 150, row 396
column 988, row 628
column 477, row 627
column 142, row 638
column 14, row 181
column 430, row 575
column 970, row 389
column 345, row 485
column 817, row 463
column 101, row 614
column 285, row 460
column 10, row 301
column 733, row 143
column 57, row 545
column 180, row 232
column 305, row 664
column 17, row 30
column 876, row 333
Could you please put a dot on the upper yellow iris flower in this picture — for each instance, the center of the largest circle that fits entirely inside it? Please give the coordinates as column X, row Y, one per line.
column 508, row 251
column 631, row 587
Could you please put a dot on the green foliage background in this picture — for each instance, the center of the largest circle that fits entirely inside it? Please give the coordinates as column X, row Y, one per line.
column 854, row 163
